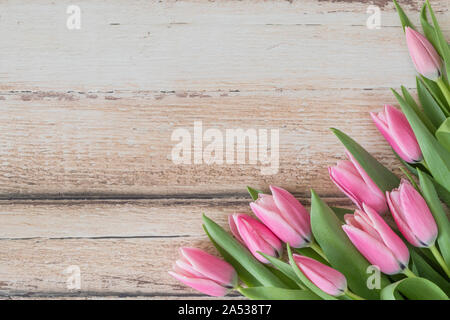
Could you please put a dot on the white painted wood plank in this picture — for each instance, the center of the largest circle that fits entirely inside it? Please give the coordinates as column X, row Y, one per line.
column 96, row 219
column 106, row 144
column 202, row 45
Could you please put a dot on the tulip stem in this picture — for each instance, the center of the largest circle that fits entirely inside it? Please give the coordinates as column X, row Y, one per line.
column 318, row 249
column 444, row 89
column 353, row 296
column 423, row 162
column 407, row 272
column 440, row 259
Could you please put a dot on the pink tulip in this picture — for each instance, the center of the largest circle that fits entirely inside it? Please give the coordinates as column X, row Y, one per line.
column 412, row 215
column 395, row 128
column 255, row 236
column 285, row 216
column 204, row 272
column 425, row 58
column 324, row 277
column 376, row 241
column 351, row 178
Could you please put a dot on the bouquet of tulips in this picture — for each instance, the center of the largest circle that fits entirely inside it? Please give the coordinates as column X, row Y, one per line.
column 336, row 253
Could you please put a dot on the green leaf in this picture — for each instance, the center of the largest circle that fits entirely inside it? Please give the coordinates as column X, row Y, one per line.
column 430, row 107
column 424, row 270
column 403, row 17
column 436, row 92
column 273, row 293
column 428, row 29
column 341, row 212
column 286, row 280
column 253, row 193
column 444, row 195
column 410, row 178
column 341, row 253
column 436, row 156
column 442, row 43
column 309, row 252
column 408, row 166
column 241, row 254
column 382, row 177
column 243, row 274
column 435, row 205
column 410, row 100
column 285, row 268
column 443, row 134
column 414, row 289
column 311, row 286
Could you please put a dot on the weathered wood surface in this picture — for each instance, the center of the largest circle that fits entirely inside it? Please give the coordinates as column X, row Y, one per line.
column 86, row 118
column 122, row 247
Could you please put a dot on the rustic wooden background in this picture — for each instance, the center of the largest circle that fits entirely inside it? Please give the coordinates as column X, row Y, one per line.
column 86, row 176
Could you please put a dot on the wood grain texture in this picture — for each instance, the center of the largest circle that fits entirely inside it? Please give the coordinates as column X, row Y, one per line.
column 203, row 45
column 123, row 248
column 167, row 218
column 86, row 117
column 107, row 147
column 298, row 67
column 108, row 266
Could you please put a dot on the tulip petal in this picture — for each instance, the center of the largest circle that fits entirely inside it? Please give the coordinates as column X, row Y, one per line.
column 383, row 127
column 347, row 182
column 210, row 266
column 394, row 203
column 255, row 242
column 385, row 130
column 356, row 188
column 417, row 215
column 292, row 211
column 233, row 228
column 424, row 56
column 375, row 197
column 373, row 250
column 184, row 268
column 264, row 232
column 205, row 286
column 350, row 220
column 326, row 278
column 273, row 220
column 388, row 236
column 403, row 134
column 367, row 227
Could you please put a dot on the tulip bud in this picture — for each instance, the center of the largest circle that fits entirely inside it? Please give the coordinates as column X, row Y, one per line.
column 255, row 236
column 412, row 215
column 284, row 216
column 204, row 272
column 425, row 58
column 395, row 128
column 376, row 241
column 351, row 178
column 324, row 277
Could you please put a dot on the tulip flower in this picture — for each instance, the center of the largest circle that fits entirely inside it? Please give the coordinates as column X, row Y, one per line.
column 412, row 215
column 395, row 128
column 425, row 58
column 204, row 272
column 255, row 236
column 284, row 216
column 351, row 179
column 376, row 241
column 324, row 277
